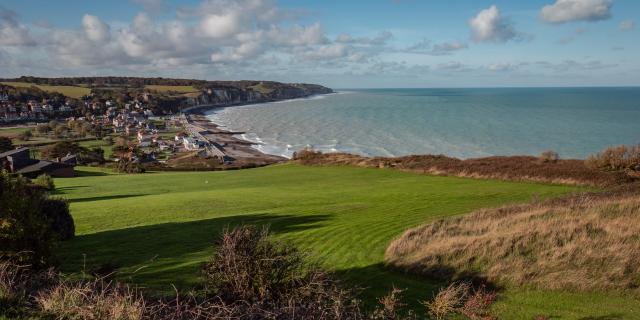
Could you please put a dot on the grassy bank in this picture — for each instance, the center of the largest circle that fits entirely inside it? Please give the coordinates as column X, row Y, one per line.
column 158, row 227
column 69, row 91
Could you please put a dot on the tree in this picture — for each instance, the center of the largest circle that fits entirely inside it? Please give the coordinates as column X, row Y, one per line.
column 5, row 144
column 60, row 149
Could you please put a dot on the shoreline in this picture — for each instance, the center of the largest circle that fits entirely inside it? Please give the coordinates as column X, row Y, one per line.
column 240, row 149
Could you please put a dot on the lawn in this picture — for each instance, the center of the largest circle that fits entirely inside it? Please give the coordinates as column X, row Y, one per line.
column 179, row 89
column 159, row 227
column 69, row 91
column 13, row 131
column 108, row 149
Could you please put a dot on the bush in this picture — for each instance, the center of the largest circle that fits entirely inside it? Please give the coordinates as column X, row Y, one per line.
column 448, row 300
column 61, row 149
column 125, row 166
column 61, row 221
column 616, row 159
column 45, row 181
column 549, row 156
column 270, row 276
column 248, row 266
column 27, row 231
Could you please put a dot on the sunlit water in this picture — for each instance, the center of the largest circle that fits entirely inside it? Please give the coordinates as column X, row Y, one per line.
column 462, row 123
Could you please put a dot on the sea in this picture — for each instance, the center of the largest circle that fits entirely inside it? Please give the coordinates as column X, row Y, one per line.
column 462, row 123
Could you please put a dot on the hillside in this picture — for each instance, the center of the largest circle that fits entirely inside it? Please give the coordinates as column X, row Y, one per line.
column 161, row 95
column 157, row 228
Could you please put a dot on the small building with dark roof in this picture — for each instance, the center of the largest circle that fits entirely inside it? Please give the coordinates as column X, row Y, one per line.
column 20, row 161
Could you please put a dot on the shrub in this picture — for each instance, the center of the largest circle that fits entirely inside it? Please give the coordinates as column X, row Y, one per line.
column 61, row 149
column 549, row 156
column 27, row 231
column 45, row 181
column 270, row 278
column 478, row 304
column 616, row 159
column 390, row 305
column 306, row 154
column 61, row 221
column 126, row 166
column 248, row 266
column 448, row 300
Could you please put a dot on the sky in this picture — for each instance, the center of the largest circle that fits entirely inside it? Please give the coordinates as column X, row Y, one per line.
column 340, row 44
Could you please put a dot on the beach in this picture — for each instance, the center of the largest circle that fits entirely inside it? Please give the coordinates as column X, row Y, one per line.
column 240, row 151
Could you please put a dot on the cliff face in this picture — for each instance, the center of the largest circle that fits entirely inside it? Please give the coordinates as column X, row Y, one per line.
column 252, row 92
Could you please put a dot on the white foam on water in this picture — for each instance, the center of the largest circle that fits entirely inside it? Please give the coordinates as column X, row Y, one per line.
column 463, row 123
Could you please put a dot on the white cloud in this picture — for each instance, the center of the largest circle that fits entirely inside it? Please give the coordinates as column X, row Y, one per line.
column 95, row 28
column 489, row 26
column 12, row 33
column 220, row 25
column 576, row 10
column 627, row 25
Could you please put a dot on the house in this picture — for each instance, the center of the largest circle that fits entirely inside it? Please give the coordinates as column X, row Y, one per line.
column 179, row 136
column 69, row 159
column 144, row 139
column 20, row 161
column 192, row 144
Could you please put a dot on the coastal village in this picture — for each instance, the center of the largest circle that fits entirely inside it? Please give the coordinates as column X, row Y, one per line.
column 146, row 129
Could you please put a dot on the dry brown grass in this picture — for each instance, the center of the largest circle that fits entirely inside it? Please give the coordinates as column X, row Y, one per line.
column 92, row 300
column 546, row 168
column 584, row 242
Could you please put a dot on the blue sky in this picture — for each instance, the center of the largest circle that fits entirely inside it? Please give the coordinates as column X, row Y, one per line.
column 342, row 44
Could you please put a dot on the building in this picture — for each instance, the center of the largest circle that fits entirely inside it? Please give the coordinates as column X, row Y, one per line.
column 20, row 161
column 192, row 144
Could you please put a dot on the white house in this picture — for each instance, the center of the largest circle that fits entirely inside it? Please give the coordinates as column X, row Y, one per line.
column 192, row 144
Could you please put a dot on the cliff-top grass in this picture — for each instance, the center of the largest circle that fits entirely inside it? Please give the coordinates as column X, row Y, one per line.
column 179, row 89
column 69, row 91
column 157, row 228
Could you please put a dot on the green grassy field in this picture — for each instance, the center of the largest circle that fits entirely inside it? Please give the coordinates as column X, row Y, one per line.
column 159, row 227
column 69, row 91
column 108, row 149
column 262, row 88
column 180, row 89
column 13, row 131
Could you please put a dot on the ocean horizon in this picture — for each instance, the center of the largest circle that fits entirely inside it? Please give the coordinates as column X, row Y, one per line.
column 457, row 122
